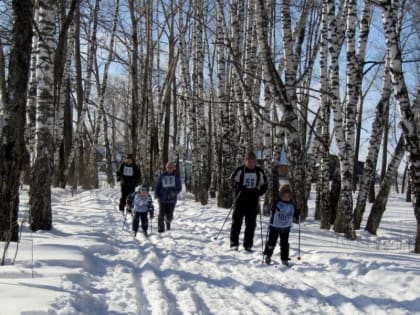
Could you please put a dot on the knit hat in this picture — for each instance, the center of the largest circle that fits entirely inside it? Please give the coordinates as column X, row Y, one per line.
column 129, row 156
column 250, row 156
column 285, row 189
column 144, row 187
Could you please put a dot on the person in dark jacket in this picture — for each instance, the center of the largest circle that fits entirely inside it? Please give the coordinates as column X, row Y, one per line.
column 141, row 204
column 168, row 186
column 249, row 182
column 128, row 175
column 282, row 214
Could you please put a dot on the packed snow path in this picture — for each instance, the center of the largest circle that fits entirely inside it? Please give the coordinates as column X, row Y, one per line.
column 186, row 271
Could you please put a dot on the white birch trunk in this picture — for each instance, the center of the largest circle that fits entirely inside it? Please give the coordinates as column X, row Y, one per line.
column 323, row 189
column 409, row 122
column 42, row 170
column 369, row 170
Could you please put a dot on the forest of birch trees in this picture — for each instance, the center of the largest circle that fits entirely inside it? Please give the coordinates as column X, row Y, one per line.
column 201, row 82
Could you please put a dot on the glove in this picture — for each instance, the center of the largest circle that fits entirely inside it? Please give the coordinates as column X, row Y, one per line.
column 118, row 178
column 151, row 215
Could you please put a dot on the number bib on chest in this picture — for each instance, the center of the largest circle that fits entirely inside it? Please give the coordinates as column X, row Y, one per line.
column 168, row 181
column 283, row 216
column 250, row 180
column 128, row 171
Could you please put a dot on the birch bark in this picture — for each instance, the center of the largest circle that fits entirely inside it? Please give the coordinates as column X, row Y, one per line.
column 409, row 122
column 42, row 169
column 369, row 170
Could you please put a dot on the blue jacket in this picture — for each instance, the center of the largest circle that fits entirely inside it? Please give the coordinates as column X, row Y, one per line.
column 140, row 203
column 282, row 214
column 168, row 187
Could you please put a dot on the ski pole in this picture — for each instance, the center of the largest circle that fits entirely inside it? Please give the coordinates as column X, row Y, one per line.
column 262, row 241
column 125, row 218
column 266, row 239
column 151, row 225
column 231, row 208
column 298, row 258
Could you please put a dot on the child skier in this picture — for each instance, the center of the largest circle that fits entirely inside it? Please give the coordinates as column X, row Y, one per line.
column 141, row 203
column 282, row 214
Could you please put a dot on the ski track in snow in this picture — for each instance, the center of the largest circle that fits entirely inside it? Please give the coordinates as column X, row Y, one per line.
column 187, row 271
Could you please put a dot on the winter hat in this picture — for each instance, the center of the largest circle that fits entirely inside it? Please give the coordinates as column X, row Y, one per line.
column 129, row 156
column 251, row 156
column 285, row 189
column 144, row 187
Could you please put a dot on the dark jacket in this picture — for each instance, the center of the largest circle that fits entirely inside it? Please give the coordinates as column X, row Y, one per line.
column 168, row 187
column 251, row 183
column 128, row 175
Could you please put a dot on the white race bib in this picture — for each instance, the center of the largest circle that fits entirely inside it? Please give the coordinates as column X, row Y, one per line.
column 283, row 217
column 128, row 171
column 168, row 181
column 250, row 180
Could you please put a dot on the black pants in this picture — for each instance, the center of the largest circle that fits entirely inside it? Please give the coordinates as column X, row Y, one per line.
column 284, row 242
column 137, row 216
column 166, row 214
column 249, row 212
column 125, row 191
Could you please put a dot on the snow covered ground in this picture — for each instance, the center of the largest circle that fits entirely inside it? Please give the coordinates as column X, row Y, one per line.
column 89, row 265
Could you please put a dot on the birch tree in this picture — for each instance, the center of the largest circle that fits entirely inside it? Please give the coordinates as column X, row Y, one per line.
column 379, row 205
column 200, row 140
column 42, row 169
column 224, row 198
column 369, row 170
column 134, row 78
column 285, row 93
column 102, row 117
column 83, row 95
column 62, row 90
column 323, row 189
column 409, row 122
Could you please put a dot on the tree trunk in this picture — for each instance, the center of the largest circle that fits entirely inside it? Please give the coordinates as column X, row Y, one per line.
column 369, row 170
column 379, row 206
column 323, row 193
column 12, row 137
column 42, row 169
column 227, row 156
column 409, row 118
column 134, row 119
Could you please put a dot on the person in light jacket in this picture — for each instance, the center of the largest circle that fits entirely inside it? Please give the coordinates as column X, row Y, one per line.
column 141, row 204
column 282, row 214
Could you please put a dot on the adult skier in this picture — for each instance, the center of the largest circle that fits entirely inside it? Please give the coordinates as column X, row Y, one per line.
column 249, row 182
column 168, row 186
column 128, row 175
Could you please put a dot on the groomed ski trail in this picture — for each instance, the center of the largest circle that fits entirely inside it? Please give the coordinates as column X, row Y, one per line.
column 186, row 271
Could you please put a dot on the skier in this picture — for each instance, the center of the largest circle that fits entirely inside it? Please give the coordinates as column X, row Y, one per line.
column 128, row 175
column 167, row 188
column 141, row 203
column 249, row 182
column 282, row 214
